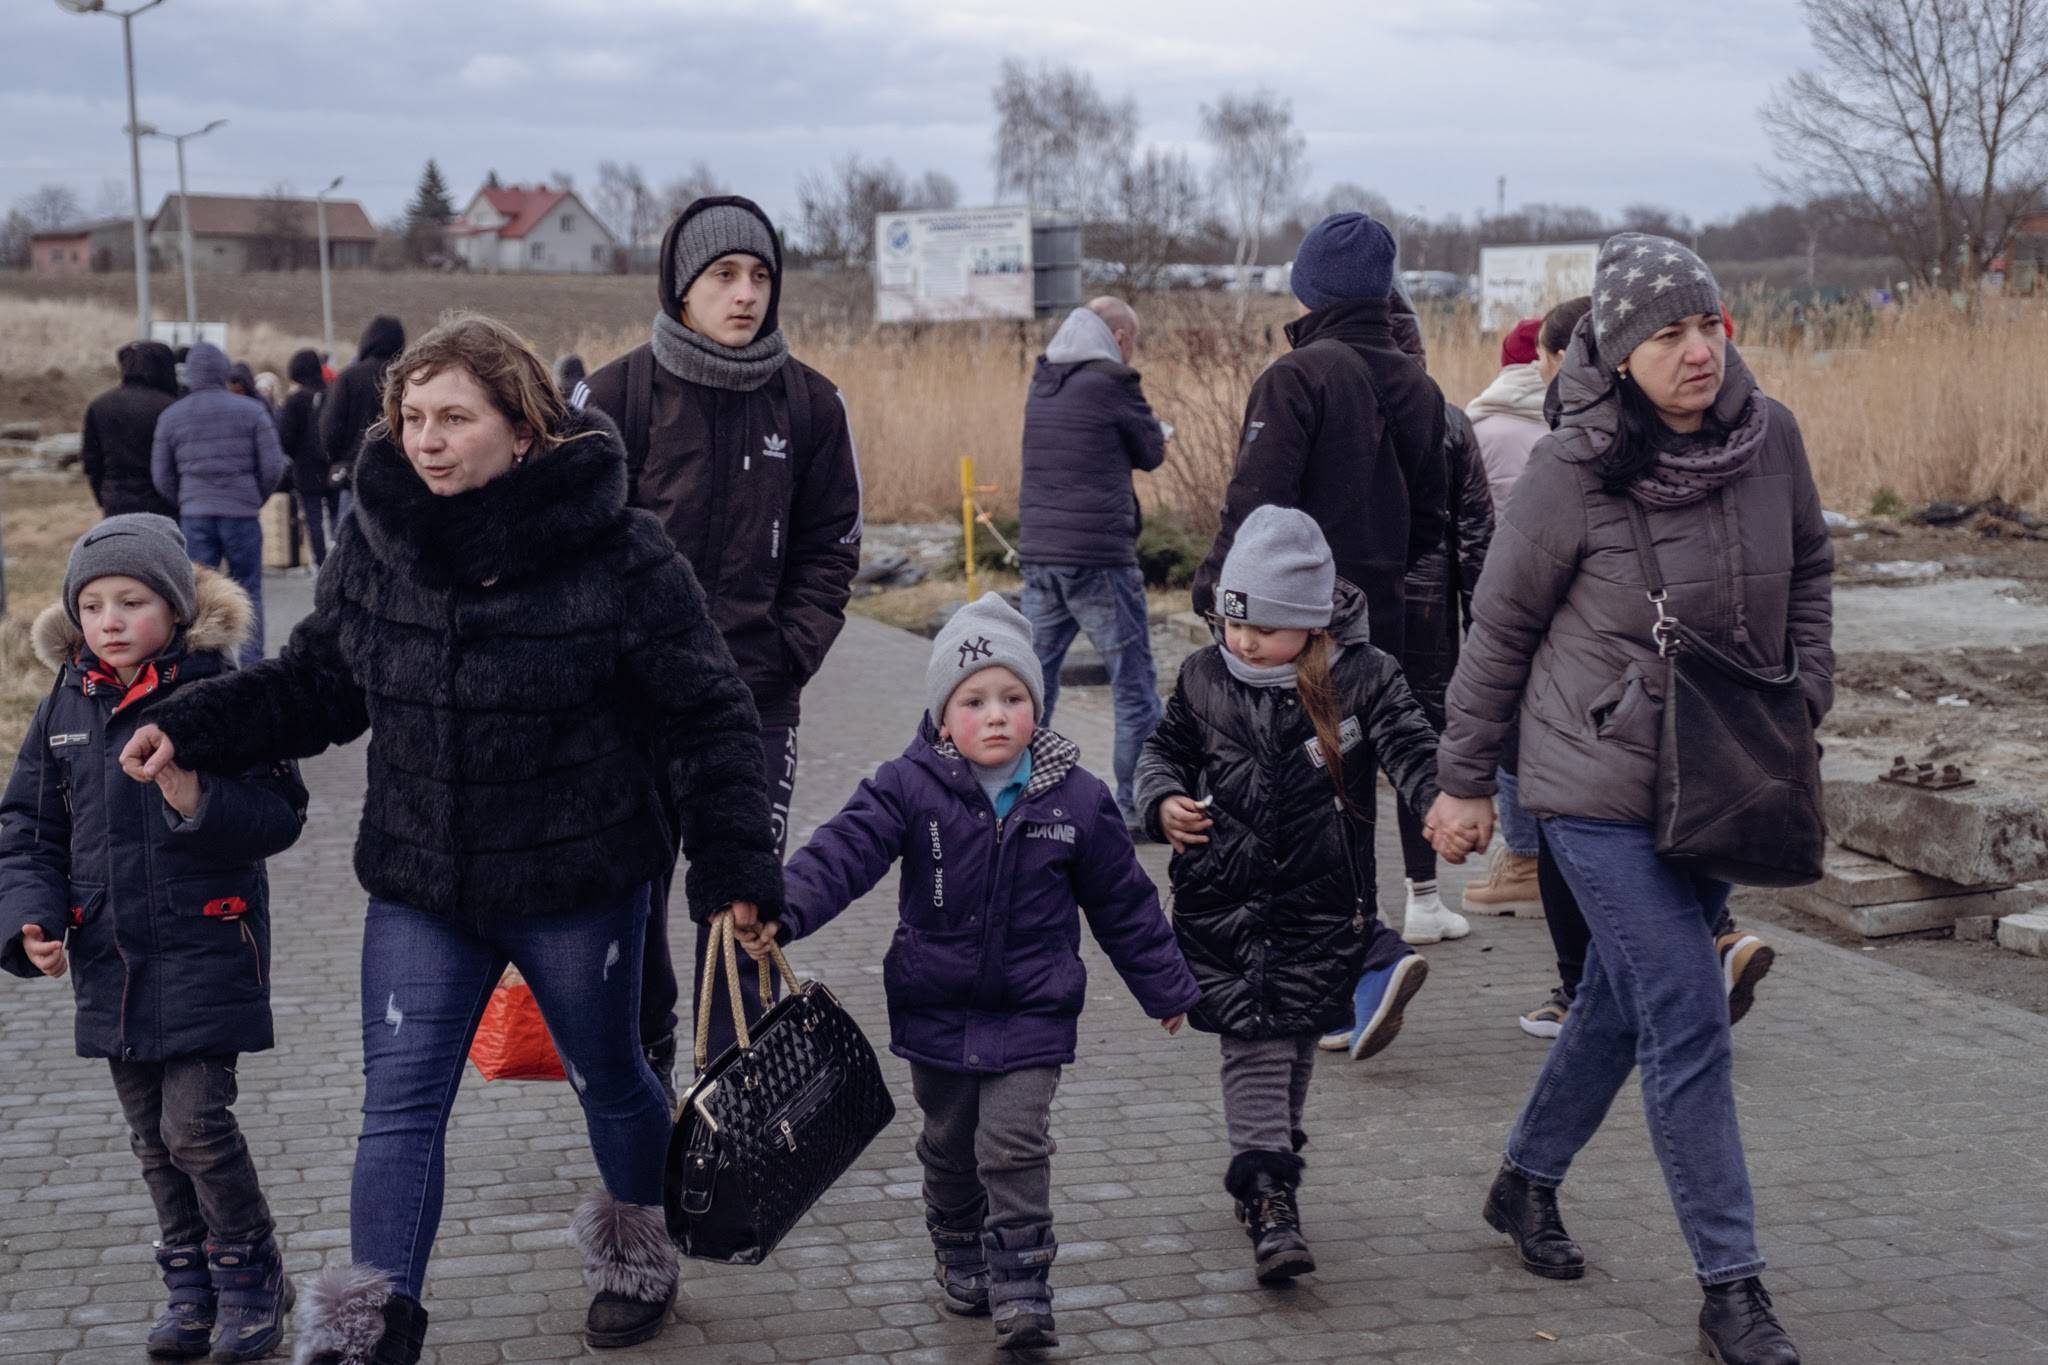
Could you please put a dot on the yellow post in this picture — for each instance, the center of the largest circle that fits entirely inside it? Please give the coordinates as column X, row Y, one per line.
column 967, row 520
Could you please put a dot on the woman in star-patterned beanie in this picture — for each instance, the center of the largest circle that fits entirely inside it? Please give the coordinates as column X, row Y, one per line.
column 1659, row 418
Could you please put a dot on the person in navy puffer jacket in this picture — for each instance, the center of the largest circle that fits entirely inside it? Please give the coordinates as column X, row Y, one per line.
column 1005, row 843
column 217, row 458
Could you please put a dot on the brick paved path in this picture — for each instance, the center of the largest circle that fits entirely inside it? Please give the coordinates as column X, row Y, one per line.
column 1898, row 1137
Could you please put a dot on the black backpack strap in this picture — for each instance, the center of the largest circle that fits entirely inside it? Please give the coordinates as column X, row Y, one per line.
column 637, row 428
column 796, row 392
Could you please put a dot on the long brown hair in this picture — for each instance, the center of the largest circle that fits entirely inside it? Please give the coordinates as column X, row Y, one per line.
column 500, row 361
column 1318, row 692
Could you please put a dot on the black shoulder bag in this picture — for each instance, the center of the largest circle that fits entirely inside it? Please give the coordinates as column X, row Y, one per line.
column 1738, row 769
column 769, row 1125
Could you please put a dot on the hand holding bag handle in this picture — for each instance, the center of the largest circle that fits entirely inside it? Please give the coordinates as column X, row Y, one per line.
column 722, row 947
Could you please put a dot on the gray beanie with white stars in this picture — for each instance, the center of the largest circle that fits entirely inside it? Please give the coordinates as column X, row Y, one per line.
column 1644, row 284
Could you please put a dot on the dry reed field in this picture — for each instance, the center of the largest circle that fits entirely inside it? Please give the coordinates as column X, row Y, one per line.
column 1931, row 403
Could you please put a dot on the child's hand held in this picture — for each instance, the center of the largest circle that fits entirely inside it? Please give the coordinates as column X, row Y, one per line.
column 46, row 954
column 180, row 788
column 147, row 754
column 1173, row 1025
column 1183, row 820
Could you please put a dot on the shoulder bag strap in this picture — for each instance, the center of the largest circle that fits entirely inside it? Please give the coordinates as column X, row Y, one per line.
column 1665, row 633
column 639, row 415
column 796, row 392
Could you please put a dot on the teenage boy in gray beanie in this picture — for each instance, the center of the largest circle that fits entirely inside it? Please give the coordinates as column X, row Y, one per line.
column 1262, row 777
column 747, row 457
column 1005, row 843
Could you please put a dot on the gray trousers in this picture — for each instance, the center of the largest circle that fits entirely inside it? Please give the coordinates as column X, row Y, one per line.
column 987, row 1147
column 1265, row 1087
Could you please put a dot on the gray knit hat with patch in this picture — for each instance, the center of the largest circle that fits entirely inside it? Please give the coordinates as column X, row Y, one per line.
column 1643, row 284
column 719, row 231
column 1279, row 573
column 138, row 545
column 989, row 633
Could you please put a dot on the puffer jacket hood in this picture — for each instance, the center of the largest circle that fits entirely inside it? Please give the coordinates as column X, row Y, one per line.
column 206, row 367
column 305, row 369
column 220, row 623
column 669, row 288
column 149, row 365
column 1083, row 336
column 383, row 338
column 1517, row 391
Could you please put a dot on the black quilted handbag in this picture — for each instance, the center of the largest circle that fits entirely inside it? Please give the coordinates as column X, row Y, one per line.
column 774, row 1121
column 1738, row 769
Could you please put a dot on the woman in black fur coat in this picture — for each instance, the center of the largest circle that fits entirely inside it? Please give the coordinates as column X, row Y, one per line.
column 543, row 686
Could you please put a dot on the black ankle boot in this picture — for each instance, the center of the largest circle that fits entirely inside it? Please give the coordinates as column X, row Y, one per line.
column 1263, row 1183
column 962, row 1262
column 631, row 1264
column 350, row 1316
column 185, row 1327
column 252, row 1298
column 1528, row 1213
column 1737, row 1326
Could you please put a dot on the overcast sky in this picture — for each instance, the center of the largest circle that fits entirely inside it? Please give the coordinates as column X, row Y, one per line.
column 1603, row 102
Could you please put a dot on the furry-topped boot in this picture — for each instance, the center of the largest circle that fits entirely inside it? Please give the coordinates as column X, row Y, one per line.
column 1263, row 1184
column 351, row 1315
column 630, row 1264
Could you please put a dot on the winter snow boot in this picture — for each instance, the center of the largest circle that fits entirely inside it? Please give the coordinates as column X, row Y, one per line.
column 1263, row 1184
column 252, row 1298
column 1019, row 1264
column 962, row 1263
column 350, row 1316
column 1737, row 1326
column 1528, row 1213
column 1427, row 919
column 185, row 1327
column 630, row 1263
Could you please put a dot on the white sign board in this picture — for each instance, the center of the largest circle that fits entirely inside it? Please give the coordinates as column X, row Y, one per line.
column 1517, row 282
column 176, row 334
column 949, row 265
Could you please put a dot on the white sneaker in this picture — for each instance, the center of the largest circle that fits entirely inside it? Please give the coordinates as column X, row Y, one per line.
column 1429, row 920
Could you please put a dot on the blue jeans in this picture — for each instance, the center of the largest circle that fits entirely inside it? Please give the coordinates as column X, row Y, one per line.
column 1518, row 829
column 1109, row 604
column 1652, row 996
column 425, row 984
column 237, row 542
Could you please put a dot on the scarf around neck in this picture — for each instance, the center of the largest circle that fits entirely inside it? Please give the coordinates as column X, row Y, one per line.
column 1688, row 470
column 1272, row 675
column 697, row 359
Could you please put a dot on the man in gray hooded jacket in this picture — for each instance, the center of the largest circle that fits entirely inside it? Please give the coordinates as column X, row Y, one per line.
column 1086, row 427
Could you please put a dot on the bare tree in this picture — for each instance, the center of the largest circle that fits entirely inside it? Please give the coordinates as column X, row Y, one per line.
column 1260, row 159
column 1927, row 119
column 1346, row 197
column 699, row 182
column 838, row 207
column 280, row 232
column 1161, row 207
column 49, row 207
column 561, row 179
column 1060, row 142
column 624, row 202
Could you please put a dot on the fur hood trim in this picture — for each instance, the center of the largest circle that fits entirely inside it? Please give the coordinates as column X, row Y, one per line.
column 626, row 1250
column 341, row 1311
column 219, row 626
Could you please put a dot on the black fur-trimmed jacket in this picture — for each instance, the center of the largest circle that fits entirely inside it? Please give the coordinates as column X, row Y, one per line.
column 541, row 681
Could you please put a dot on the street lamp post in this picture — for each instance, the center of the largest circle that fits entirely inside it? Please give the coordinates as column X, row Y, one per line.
column 185, row 221
column 142, row 312
column 326, row 286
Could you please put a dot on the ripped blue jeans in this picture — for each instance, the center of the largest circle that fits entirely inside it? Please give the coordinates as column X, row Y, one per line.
column 425, row 984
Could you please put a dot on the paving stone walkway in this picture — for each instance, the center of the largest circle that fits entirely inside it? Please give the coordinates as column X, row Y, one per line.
column 1898, row 1137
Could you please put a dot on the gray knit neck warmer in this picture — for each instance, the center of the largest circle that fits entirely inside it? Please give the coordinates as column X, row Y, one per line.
column 697, row 359
column 1272, row 675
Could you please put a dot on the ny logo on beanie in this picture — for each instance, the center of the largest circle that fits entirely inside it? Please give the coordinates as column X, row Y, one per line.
column 971, row 650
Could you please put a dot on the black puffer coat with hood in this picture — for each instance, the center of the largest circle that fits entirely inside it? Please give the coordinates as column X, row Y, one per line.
column 1276, row 912
column 120, row 426
column 760, row 490
column 357, row 398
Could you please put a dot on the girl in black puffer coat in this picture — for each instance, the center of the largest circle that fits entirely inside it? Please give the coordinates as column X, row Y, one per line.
column 1262, row 778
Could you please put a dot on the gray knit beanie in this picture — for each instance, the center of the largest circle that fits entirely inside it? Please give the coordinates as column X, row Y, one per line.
column 986, row 634
column 138, row 545
column 1279, row 573
column 1645, row 284
column 719, row 231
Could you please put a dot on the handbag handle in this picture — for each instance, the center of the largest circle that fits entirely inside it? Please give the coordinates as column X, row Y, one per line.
column 1665, row 634
column 723, row 948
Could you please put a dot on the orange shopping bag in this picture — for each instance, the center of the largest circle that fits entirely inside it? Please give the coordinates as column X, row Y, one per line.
column 512, row 1042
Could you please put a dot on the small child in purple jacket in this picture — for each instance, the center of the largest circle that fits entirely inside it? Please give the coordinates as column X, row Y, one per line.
column 1005, row 842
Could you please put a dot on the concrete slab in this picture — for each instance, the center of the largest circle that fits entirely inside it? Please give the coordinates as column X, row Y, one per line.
column 1976, row 836
column 1977, row 929
column 1912, row 917
column 1855, row 878
column 2026, row 933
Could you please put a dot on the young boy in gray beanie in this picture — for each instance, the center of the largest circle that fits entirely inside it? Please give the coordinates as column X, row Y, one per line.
column 1262, row 777
column 1005, row 843
column 156, row 904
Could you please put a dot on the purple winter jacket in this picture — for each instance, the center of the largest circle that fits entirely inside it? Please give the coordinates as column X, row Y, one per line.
column 984, row 973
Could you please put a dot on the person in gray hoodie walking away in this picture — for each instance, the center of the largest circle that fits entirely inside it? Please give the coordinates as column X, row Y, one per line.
column 1086, row 427
column 216, row 458
column 1664, row 435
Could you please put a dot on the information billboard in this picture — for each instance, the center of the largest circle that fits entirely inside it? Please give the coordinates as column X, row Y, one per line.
column 949, row 265
column 1517, row 282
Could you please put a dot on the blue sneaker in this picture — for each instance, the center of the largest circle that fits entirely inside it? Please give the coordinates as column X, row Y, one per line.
column 1377, row 1004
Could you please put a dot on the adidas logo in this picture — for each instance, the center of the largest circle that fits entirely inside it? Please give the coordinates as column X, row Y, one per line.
column 774, row 447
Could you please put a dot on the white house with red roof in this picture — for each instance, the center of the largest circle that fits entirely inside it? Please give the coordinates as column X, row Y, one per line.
column 531, row 228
